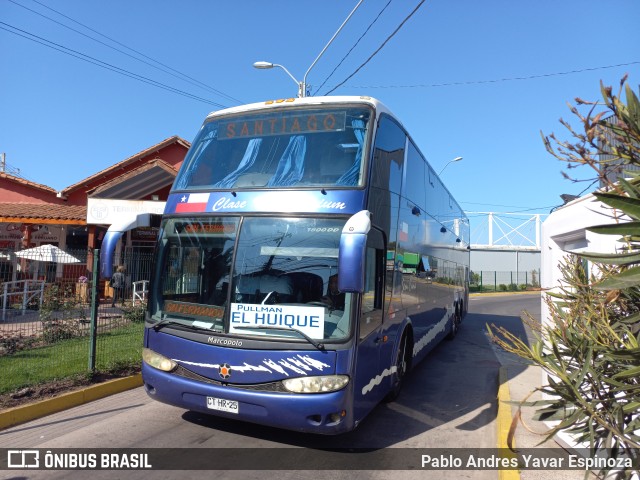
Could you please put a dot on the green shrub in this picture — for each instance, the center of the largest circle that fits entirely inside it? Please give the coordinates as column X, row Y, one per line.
column 61, row 313
column 135, row 313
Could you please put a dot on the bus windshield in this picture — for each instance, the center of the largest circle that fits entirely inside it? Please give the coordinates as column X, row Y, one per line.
column 283, row 282
column 305, row 147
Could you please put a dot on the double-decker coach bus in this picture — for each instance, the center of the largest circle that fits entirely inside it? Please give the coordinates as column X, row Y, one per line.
column 278, row 294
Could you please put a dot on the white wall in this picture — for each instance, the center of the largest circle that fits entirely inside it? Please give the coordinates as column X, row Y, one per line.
column 566, row 230
column 504, row 260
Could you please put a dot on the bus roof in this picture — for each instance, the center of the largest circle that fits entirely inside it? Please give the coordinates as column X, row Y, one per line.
column 287, row 102
column 376, row 104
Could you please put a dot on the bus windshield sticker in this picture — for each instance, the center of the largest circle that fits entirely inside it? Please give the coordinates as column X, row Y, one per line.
column 193, row 309
column 315, row 122
column 208, row 228
column 309, row 320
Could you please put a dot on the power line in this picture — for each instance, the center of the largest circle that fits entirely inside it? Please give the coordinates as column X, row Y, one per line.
column 499, row 80
column 105, row 65
column 11, row 170
column 166, row 69
column 355, row 44
column 523, row 210
column 379, row 48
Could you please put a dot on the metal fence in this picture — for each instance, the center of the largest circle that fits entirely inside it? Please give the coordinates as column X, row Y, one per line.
column 59, row 320
column 495, row 281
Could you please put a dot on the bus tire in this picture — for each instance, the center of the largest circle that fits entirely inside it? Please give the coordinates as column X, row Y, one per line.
column 455, row 323
column 402, row 364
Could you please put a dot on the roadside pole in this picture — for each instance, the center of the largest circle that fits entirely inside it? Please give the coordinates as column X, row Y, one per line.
column 95, row 301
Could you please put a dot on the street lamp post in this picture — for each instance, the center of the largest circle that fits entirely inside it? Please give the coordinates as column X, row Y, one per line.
column 302, row 86
column 457, row 159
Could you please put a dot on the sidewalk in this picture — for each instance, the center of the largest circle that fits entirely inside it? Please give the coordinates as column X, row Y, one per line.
column 32, row 411
column 520, row 385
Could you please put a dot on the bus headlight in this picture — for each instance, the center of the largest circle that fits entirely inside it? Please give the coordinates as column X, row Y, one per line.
column 322, row 384
column 158, row 361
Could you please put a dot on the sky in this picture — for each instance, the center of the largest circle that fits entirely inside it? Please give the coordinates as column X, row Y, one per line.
column 469, row 78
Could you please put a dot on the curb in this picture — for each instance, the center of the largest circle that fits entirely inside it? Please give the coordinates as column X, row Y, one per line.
column 22, row 414
column 496, row 294
column 503, row 421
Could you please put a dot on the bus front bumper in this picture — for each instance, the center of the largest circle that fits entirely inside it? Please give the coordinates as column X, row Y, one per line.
column 320, row 413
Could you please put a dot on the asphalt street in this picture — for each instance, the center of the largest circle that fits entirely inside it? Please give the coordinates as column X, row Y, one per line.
column 449, row 402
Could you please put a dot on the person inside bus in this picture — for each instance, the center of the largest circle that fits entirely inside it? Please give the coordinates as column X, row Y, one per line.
column 334, row 297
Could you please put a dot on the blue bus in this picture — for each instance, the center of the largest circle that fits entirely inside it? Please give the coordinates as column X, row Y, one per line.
column 278, row 294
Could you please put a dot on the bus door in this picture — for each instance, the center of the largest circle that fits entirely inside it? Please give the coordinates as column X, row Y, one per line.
column 370, row 378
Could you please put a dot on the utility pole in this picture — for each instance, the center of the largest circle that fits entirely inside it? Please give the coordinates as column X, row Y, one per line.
column 3, row 157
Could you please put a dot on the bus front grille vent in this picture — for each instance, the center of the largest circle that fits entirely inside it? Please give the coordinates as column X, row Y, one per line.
column 264, row 387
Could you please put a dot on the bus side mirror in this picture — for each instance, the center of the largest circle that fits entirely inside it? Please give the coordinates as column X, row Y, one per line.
column 351, row 255
column 115, row 232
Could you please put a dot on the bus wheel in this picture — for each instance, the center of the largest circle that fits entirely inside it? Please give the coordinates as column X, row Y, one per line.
column 403, row 364
column 455, row 324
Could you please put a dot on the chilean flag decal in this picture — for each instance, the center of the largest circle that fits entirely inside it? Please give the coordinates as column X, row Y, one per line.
column 192, row 202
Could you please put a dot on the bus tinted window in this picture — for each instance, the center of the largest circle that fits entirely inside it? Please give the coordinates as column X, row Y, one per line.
column 286, row 270
column 194, row 270
column 279, row 149
column 415, row 178
column 388, row 156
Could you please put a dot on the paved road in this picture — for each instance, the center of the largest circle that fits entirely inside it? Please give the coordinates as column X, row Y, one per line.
column 449, row 401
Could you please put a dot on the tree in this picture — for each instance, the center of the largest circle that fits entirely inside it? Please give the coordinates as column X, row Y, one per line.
column 590, row 349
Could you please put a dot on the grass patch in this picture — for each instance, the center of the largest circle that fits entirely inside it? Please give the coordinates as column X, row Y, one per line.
column 70, row 358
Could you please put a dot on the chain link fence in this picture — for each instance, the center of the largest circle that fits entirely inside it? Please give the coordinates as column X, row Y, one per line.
column 58, row 320
column 496, row 281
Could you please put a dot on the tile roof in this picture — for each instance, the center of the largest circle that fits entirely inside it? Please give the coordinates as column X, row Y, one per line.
column 41, row 213
column 24, row 181
column 144, row 180
column 77, row 214
column 137, row 156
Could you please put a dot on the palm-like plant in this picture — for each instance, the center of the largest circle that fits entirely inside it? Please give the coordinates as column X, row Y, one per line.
column 590, row 347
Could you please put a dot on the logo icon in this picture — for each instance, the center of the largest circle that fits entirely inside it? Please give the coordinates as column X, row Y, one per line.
column 99, row 211
column 225, row 371
column 23, row 459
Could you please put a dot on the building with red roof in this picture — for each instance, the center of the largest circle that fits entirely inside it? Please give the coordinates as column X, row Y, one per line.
column 77, row 217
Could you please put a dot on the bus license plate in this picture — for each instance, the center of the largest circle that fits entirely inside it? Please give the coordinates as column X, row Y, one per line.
column 222, row 405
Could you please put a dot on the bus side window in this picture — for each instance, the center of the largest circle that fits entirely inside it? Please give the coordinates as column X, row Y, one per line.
column 369, row 295
column 373, row 295
column 388, row 157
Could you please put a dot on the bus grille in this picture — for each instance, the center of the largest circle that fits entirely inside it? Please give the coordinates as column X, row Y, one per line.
column 263, row 387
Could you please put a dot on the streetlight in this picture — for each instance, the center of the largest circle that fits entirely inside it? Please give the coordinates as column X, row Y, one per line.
column 302, row 87
column 457, row 159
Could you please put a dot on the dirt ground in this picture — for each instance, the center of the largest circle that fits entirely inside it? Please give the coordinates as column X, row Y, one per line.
column 52, row 389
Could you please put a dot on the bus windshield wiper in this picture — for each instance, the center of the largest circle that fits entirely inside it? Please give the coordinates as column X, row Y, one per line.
column 168, row 321
column 318, row 345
